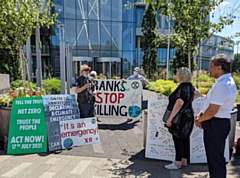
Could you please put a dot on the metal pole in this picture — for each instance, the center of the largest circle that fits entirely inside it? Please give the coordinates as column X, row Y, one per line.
column 38, row 58
column 168, row 47
column 168, row 50
column 68, row 63
column 62, row 58
column 29, row 58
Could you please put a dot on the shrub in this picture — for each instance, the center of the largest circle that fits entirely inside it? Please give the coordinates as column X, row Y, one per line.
column 19, row 83
column 53, row 85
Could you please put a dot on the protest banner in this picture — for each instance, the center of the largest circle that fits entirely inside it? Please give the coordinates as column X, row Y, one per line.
column 159, row 143
column 58, row 108
column 79, row 132
column 118, row 99
column 27, row 129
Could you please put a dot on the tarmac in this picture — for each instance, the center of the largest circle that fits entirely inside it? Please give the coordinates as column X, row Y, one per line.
column 119, row 154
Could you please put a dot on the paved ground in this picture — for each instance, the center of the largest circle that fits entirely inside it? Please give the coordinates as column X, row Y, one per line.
column 120, row 154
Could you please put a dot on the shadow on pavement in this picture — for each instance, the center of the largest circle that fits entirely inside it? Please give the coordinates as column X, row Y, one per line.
column 122, row 126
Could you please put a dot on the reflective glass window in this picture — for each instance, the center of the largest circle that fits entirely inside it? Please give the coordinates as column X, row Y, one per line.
column 105, row 53
column 58, row 6
column 82, row 9
column 82, row 35
column 117, row 36
column 93, row 12
column 139, row 15
column 128, row 11
column 158, row 17
column 166, row 22
column 162, row 54
column 70, row 32
column 105, row 9
column 94, row 34
column 82, row 52
column 106, row 34
column 128, row 63
column 128, row 36
column 69, row 9
column 172, row 53
column 116, row 10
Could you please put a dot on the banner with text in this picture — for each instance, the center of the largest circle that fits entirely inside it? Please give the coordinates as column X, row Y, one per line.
column 79, row 132
column 58, row 108
column 27, row 128
column 118, row 99
column 159, row 143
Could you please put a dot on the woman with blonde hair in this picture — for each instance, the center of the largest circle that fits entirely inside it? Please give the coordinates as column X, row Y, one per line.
column 180, row 98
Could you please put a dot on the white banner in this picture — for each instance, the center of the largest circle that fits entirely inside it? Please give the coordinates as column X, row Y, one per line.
column 159, row 143
column 118, row 99
column 79, row 132
column 159, row 140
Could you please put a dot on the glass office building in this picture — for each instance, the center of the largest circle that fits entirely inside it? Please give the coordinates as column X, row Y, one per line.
column 100, row 33
column 106, row 35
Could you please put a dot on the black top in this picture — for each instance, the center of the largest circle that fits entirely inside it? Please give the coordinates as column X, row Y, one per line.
column 185, row 91
column 86, row 95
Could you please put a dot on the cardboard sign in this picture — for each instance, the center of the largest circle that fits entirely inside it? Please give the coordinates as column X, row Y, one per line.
column 197, row 148
column 159, row 140
column 118, row 99
column 58, row 108
column 159, row 143
column 79, row 132
column 27, row 133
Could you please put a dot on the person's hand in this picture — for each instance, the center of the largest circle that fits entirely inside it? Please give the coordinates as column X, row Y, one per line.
column 142, row 79
column 197, row 123
column 88, row 85
column 169, row 123
column 94, row 93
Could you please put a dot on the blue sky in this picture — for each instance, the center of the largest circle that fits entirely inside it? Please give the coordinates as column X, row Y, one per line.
column 229, row 6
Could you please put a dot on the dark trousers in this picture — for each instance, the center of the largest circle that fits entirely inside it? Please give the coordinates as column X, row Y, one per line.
column 86, row 110
column 215, row 132
column 182, row 147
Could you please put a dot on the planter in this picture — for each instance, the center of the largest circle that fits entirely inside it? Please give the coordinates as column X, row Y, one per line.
column 4, row 121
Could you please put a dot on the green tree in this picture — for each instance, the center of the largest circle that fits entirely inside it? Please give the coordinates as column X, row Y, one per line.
column 18, row 19
column 181, row 60
column 236, row 63
column 149, row 25
column 191, row 22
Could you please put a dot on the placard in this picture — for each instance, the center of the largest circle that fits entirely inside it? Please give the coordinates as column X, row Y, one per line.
column 159, row 141
column 58, row 108
column 79, row 132
column 27, row 132
column 118, row 99
column 197, row 148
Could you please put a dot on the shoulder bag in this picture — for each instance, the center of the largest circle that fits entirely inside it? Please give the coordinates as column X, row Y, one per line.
column 177, row 118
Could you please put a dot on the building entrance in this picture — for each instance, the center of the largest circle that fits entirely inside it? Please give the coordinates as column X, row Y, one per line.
column 109, row 66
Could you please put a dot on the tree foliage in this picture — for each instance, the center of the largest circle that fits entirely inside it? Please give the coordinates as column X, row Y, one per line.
column 149, row 25
column 191, row 22
column 18, row 19
column 236, row 63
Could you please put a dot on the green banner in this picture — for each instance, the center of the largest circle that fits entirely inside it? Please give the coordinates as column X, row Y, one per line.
column 27, row 130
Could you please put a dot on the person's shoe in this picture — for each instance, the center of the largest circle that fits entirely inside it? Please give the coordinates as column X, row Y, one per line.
column 171, row 167
column 99, row 120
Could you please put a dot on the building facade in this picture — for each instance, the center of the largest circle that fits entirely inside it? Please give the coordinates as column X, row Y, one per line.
column 106, row 35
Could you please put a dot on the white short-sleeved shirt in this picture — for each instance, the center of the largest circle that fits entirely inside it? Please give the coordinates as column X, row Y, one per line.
column 223, row 93
column 134, row 77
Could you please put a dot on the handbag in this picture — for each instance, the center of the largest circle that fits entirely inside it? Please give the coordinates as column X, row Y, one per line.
column 177, row 118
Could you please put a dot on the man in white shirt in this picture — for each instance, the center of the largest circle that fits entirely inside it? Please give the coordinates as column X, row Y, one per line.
column 216, row 113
